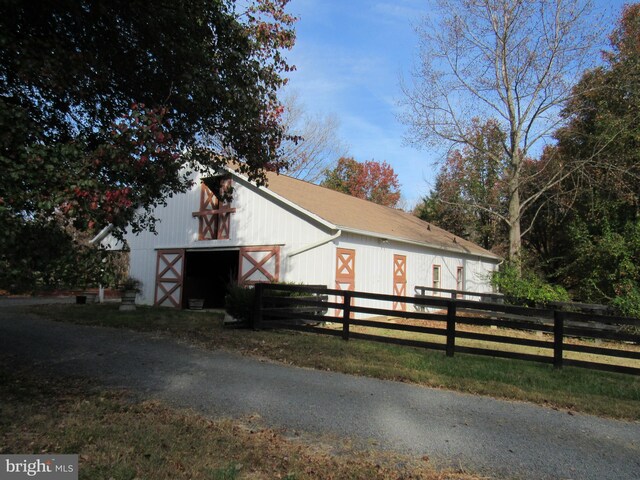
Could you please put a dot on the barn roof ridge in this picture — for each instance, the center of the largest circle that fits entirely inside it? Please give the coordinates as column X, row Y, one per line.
column 363, row 217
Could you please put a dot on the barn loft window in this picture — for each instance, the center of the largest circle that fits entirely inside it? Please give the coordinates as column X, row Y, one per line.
column 214, row 216
column 436, row 276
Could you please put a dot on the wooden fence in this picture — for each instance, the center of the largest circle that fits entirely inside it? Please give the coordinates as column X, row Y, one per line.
column 460, row 294
column 422, row 291
column 307, row 308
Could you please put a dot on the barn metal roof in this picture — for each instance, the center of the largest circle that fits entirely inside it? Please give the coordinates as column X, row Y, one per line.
column 367, row 218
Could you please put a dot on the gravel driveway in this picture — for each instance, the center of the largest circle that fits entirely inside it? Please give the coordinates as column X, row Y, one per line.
column 492, row 437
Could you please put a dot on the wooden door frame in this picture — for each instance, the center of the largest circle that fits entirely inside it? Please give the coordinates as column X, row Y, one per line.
column 214, row 216
column 178, row 281
column 350, row 277
column 257, row 265
column 399, row 280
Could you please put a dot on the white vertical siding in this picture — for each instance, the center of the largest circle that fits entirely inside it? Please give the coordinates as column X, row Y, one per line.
column 315, row 267
column 374, row 267
column 258, row 221
column 142, row 265
column 262, row 220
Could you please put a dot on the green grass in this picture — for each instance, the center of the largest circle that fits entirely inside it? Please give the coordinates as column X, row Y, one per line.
column 589, row 391
column 507, row 347
column 119, row 438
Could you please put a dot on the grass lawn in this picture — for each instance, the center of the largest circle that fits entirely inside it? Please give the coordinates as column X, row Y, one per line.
column 589, row 391
column 120, row 438
column 500, row 332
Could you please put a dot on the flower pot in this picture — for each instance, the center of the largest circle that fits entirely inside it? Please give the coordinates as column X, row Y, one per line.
column 196, row 303
column 128, row 302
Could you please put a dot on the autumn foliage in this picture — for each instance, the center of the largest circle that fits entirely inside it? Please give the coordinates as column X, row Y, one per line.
column 105, row 106
column 370, row 180
column 470, row 190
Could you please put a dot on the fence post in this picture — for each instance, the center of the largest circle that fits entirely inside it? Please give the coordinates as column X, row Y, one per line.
column 256, row 321
column 558, row 337
column 451, row 328
column 346, row 314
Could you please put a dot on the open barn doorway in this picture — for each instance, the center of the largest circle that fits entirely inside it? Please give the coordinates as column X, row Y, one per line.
column 207, row 275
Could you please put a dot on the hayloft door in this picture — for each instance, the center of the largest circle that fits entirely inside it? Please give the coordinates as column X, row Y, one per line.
column 400, row 280
column 169, row 278
column 345, row 272
column 214, row 216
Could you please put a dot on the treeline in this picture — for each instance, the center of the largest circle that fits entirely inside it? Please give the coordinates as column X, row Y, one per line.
column 581, row 227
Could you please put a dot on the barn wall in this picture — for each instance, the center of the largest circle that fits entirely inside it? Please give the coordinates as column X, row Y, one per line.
column 260, row 220
column 313, row 267
column 374, row 267
column 257, row 221
column 376, row 255
column 142, row 265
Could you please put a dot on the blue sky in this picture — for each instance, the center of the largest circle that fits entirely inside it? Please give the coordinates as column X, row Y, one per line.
column 350, row 56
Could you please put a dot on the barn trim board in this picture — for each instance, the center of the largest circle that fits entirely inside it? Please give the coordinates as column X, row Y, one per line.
column 345, row 273
column 259, row 264
column 169, row 278
column 214, row 215
column 295, row 232
column 400, row 280
column 345, row 269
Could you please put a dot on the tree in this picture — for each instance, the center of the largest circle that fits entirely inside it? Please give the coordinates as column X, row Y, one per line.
column 371, row 180
column 445, row 207
column 43, row 254
column 469, row 194
column 83, row 84
column 602, row 129
column 312, row 145
column 600, row 257
column 550, row 214
column 511, row 59
column 105, row 106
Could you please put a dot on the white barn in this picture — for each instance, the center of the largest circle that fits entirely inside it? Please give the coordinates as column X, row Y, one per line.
column 294, row 231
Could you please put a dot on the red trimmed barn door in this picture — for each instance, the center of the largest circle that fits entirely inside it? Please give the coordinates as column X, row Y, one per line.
column 400, row 280
column 345, row 272
column 169, row 278
column 259, row 264
column 214, row 216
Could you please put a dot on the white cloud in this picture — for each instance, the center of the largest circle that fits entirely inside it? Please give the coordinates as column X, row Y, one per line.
column 348, row 57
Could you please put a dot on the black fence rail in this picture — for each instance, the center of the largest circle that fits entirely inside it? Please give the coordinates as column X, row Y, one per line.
column 309, row 308
column 421, row 291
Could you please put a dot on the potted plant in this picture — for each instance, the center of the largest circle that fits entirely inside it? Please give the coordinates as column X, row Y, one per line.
column 130, row 289
column 238, row 304
column 89, row 271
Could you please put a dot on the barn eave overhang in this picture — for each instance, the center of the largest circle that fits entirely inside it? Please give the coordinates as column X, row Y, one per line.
column 367, row 233
column 434, row 246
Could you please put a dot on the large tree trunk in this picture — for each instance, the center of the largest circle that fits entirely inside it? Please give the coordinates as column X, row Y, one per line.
column 515, row 241
column 515, row 237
